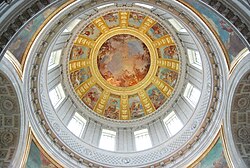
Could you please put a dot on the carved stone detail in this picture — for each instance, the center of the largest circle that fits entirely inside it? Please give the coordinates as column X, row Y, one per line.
column 9, row 121
column 240, row 118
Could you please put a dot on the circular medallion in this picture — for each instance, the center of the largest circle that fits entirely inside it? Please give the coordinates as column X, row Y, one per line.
column 6, row 138
column 123, row 60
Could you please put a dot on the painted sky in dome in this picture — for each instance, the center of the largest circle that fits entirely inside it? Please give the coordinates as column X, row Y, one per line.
column 215, row 158
column 232, row 42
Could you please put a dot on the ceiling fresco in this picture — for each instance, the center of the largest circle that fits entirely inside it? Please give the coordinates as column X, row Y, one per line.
column 124, row 65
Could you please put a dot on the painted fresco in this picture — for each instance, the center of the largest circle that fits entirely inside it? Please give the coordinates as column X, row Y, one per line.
column 21, row 41
column 135, row 19
column 92, row 96
column 123, row 60
column 37, row 159
column 228, row 36
column 113, row 107
column 91, row 31
column 79, row 52
column 215, row 157
column 168, row 76
column 155, row 95
column 79, row 76
column 111, row 20
column 135, row 107
column 156, row 31
column 168, row 52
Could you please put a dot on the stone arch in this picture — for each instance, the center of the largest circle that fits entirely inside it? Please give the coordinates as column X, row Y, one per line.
column 10, row 121
column 240, row 118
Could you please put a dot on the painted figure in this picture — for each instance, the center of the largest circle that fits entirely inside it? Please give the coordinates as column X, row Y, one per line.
column 112, row 109
column 168, row 76
column 135, row 107
column 156, row 97
column 170, row 51
column 123, row 60
column 77, row 77
column 91, row 97
column 156, row 31
column 135, row 19
column 111, row 17
column 89, row 30
column 76, row 52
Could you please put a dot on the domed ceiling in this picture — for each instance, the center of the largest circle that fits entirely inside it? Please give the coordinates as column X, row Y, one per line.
column 123, row 69
column 124, row 65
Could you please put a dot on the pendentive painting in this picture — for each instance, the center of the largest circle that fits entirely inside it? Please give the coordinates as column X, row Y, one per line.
column 231, row 40
column 215, row 157
column 37, row 159
column 21, row 41
column 123, row 60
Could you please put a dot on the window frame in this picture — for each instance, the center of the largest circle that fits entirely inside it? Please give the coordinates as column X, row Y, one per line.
column 56, row 56
column 104, row 143
column 178, row 27
column 146, row 139
column 58, row 89
column 72, row 25
column 79, row 119
column 172, row 119
column 194, row 58
column 189, row 94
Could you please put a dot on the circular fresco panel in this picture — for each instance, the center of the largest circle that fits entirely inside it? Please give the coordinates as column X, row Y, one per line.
column 123, row 60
